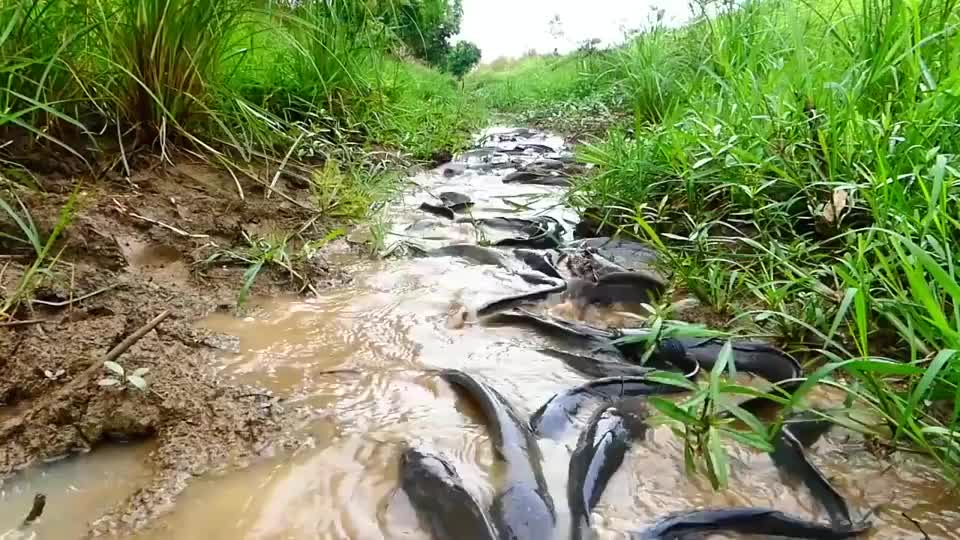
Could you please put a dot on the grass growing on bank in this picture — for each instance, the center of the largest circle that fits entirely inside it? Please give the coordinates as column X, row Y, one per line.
column 559, row 92
column 247, row 84
column 797, row 163
column 238, row 76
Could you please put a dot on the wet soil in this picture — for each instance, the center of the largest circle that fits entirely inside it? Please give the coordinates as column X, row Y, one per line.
column 139, row 248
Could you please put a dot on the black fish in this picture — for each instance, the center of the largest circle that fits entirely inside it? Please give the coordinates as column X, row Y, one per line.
column 543, row 178
column 761, row 521
column 560, row 326
column 523, row 510
column 631, row 288
column 751, row 356
column 441, row 211
column 455, row 201
column 554, row 416
column 789, row 457
column 473, row 253
column 598, row 455
column 442, row 503
column 591, row 367
column 808, row 427
column 538, row 261
column 522, row 298
column 748, row 356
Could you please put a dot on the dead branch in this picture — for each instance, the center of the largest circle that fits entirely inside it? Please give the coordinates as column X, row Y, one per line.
column 125, row 211
column 77, row 299
column 27, row 322
column 131, row 339
column 283, row 164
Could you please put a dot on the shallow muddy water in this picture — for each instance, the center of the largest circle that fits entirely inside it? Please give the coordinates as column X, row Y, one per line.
column 356, row 362
column 78, row 489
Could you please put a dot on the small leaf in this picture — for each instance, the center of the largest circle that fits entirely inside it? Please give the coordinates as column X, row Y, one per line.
column 114, row 367
column 672, row 379
column 717, row 459
column 108, row 382
column 673, row 411
column 137, row 381
column 702, row 162
column 140, row 372
column 753, row 440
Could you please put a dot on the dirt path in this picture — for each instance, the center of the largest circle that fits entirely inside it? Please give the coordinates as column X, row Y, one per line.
column 139, row 249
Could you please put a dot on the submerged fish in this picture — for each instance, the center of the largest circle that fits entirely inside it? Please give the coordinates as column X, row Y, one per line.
column 441, row 501
column 522, row 509
column 591, row 367
column 598, row 455
column 554, row 416
column 760, row 521
column 789, row 457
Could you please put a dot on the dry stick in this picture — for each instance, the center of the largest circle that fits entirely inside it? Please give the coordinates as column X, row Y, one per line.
column 273, row 190
column 77, row 299
column 236, row 181
column 283, row 164
column 181, row 232
column 123, row 153
column 21, row 323
column 131, row 339
column 13, row 424
column 917, row 525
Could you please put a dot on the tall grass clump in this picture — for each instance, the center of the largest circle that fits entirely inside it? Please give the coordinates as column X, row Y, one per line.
column 796, row 161
column 236, row 78
column 38, row 86
column 162, row 61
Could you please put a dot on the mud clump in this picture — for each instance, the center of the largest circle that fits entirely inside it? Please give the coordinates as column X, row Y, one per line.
column 130, row 253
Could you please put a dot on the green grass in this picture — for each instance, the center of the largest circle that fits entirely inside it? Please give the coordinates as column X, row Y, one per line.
column 236, row 78
column 796, row 162
column 555, row 91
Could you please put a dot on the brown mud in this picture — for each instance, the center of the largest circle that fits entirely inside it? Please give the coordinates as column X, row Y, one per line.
column 140, row 247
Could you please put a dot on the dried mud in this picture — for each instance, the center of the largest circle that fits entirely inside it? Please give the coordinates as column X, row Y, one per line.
column 142, row 245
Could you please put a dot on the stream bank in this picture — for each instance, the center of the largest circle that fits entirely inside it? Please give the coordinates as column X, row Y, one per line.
column 132, row 250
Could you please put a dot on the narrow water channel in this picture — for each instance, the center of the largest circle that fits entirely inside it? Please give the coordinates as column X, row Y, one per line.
column 357, row 359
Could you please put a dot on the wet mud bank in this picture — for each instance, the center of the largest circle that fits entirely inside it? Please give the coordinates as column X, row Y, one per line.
column 133, row 252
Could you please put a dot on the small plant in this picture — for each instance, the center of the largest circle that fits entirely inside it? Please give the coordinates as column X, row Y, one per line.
column 43, row 247
column 706, row 418
column 118, row 376
column 53, row 375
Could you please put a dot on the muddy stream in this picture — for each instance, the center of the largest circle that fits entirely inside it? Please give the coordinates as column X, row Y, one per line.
column 356, row 364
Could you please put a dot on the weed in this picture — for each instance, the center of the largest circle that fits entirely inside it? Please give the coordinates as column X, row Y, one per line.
column 273, row 250
column 43, row 249
column 118, row 376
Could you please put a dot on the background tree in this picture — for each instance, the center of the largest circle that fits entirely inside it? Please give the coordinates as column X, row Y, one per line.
column 461, row 58
column 426, row 26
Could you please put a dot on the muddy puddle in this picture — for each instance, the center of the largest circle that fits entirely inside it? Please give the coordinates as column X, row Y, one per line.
column 358, row 364
column 78, row 489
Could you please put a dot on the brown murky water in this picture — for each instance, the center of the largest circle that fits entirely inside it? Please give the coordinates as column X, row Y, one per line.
column 354, row 361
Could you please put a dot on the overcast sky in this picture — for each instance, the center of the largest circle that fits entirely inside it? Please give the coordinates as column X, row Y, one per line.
column 512, row 27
